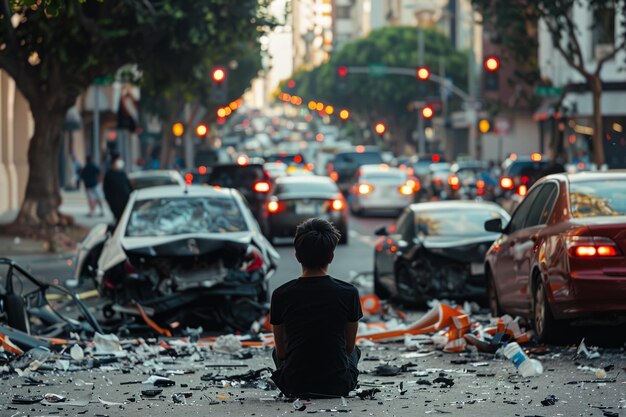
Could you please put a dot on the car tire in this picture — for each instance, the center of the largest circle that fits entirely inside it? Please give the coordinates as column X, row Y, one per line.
column 546, row 327
column 16, row 314
column 379, row 290
column 344, row 237
column 492, row 295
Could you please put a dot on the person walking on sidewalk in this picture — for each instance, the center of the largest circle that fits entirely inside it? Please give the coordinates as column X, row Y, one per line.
column 116, row 186
column 315, row 321
column 90, row 176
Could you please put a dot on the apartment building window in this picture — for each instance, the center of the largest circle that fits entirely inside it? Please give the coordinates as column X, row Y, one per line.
column 603, row 32
column 343, row 12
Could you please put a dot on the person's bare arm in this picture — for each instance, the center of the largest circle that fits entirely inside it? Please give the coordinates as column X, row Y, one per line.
column 351, row 329
column 280, row 339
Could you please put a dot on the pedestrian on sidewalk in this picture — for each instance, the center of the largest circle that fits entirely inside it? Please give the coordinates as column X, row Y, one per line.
column 90, row 176
column 116, row 186
column 315, row 321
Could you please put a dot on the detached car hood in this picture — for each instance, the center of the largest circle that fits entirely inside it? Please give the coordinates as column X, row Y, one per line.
column 185, row 245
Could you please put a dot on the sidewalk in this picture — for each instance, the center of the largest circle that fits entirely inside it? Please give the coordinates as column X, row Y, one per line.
column 74, row 204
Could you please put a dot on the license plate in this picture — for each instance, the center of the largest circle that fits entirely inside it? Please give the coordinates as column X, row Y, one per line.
column 477, row 268
column 303, row 208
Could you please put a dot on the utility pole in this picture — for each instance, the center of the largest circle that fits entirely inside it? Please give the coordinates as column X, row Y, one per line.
column 96, row 124
column 421, row 138
column 188, row 138
column 443, row 89
column 472, row 105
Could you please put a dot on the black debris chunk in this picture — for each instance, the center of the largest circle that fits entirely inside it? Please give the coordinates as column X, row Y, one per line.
column 387, row 370
column 423, row 382
column 151, row 392
column 368, row 394
column 445, row 382
column 549, row 400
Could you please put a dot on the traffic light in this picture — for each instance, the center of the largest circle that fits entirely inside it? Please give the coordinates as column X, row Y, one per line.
column 380, row 128
column 427, row 112
column 178, row 129
column 342, row 78
column 492, row 73
column 344, row 114
column 485, row 125
column 423, row 73
column 219, row 85
column 202, row 130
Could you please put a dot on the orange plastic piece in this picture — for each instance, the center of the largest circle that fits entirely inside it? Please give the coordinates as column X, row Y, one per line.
column 160, row 330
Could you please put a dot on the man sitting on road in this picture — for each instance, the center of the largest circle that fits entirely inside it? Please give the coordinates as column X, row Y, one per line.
column 315, row 320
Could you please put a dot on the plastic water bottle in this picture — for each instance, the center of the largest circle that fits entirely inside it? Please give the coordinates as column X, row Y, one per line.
column 525, row 366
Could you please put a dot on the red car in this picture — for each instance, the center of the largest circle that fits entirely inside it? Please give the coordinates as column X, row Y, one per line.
column 561, row 257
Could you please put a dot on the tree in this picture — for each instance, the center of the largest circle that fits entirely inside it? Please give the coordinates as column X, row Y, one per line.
column 55, row 49
column 559, row 19
column 385, row 98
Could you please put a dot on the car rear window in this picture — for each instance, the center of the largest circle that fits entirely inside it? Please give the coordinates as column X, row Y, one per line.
column 598, row 198
column 236, row 176
column 174, row 216
column 394, row 176
column 531, row 169
column 145, row 182
column 308, row 186
column 458, row 222
column 358, row 158
column 286, row 159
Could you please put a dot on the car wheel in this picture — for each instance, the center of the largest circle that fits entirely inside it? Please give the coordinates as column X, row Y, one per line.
column 546, row 327
column 379, row 290
column 492, row 296
column 344, row 237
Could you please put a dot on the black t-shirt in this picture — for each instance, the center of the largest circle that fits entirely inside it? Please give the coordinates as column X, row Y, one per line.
column 314, row 311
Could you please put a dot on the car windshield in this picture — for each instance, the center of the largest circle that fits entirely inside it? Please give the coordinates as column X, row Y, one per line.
column 175, row 216
column 236, row 176
column 308, row 186
column 145, row 182
column 359, row 158
column 462, row 222
column 598, row 198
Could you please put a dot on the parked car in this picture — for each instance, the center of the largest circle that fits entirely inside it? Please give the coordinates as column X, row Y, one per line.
column 345, row 164
column 187, row 255
column 435, row 250
column 561, row 257
column 250, row 179
column 154, row 178
column 297, row 198
column 381, row 188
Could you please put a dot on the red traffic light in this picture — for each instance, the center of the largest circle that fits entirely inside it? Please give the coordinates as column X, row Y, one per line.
column 342, row 71
column 380, row 128
column 427, row 112
column 218, row 75
column 423, row 73
column 202, row 130
column 291, row 84
column 492, row 63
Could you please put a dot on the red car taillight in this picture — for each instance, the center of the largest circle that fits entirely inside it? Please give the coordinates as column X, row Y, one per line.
column 275, row 206
column 337, row 205
column 261, row 187
column 254, row 260
column 522, row 190
column 506, row 183
column 591, row 247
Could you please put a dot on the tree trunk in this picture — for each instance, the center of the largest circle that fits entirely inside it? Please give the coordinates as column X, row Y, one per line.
column 43, row 197
column 598, row 141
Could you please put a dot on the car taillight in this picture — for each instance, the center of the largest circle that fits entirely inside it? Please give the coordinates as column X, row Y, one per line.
column 337, row 205
column 454, row 182
column 406, row 189
column 275, row 206
column 261, row 187
column 410, row 171
column 334, row 176
column 591, row 247
column 506, row 183
column 522, row 190
column 254, row 260
column 129, row 269
column 414, row 183
column 365, row 188
column 188, row 178
column 480, row 184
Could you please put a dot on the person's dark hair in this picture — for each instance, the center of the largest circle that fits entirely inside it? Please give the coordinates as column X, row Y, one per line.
column 89, row 159
column 315, row 242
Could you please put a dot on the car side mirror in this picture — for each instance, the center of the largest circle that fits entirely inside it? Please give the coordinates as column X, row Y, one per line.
column 494, row 225
column 381, row 231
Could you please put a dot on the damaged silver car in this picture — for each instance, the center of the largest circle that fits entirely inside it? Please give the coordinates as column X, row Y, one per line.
column 435, row 250
column 193, row 256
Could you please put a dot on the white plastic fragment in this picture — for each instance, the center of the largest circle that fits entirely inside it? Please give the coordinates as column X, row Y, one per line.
column 590, row 354
column 77, row 353
column 107, row 343
column 108, row 402
column 228, row 343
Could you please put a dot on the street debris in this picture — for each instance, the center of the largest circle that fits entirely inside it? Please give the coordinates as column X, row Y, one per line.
column 549, row 400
